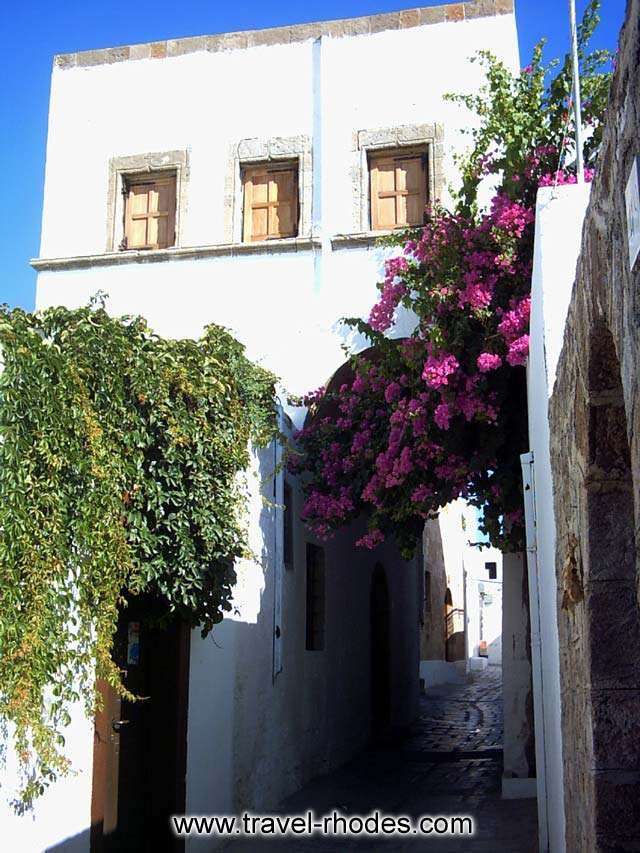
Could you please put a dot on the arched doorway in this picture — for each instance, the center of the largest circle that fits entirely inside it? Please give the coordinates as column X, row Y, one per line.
column 380, row 653
column 610, row 595
column 454, row 640
column 448, row 625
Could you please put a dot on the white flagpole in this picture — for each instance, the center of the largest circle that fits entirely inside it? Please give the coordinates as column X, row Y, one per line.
column 576, row 92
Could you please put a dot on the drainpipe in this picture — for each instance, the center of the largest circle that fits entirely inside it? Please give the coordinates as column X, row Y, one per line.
column 576, row 92
column 528, row 482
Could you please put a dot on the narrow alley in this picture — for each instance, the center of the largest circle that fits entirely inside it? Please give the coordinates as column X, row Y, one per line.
column 449, row 764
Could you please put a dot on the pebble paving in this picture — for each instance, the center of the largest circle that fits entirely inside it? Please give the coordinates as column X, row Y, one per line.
column 449, row 763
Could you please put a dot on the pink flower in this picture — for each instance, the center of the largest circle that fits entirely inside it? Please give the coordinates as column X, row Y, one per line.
column 488, row 361
column 518, row 351
column 370, row 492
column 328, row 507
column 561, row 178
column 469, row 405
column 381, row 316
column 422, row 493
column 392, row 392
column 438, row 369
column 442, row 415
column 371, row 540
column 314, row 396
column 509, row 216
column 515, row 321
column 358, row 385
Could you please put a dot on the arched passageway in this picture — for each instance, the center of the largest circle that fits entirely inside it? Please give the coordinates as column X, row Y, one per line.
column 454, row 645
column 610, row 595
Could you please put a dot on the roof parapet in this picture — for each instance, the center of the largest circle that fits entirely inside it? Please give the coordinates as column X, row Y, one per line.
column 404, row 19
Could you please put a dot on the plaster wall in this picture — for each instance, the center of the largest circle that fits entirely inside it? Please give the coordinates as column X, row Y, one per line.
column 483, row 595
column 252, row 737
column 272, row 732
column 559, row 218
column 205, row 102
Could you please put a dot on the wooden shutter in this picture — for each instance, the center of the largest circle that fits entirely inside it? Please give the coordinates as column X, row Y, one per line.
column 398, row 190
column 411, row 183
column 270, row 202
column 383, row 194
column 150, row 212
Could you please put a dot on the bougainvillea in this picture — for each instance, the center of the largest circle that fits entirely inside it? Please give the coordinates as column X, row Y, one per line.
column 442, row 414
column 119, row 460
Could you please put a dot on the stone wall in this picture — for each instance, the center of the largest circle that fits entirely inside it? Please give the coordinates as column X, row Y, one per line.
column 432, row 634
column 595, row 435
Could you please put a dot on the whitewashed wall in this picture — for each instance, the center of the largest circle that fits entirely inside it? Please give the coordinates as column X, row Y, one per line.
column 559, row 217
column 484, row 621
column 254, row 739
column 285, row 308
column 275, row 303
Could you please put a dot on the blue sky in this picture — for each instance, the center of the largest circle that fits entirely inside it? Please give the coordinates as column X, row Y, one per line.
column 33, row 31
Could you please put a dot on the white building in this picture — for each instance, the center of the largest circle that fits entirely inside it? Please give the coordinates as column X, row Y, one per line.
column 462, row 620
column 243, row 179
column 483, row 598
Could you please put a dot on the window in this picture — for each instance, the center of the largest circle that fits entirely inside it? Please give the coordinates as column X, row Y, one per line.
column 270, row 202
column 398, row 189
column 147, row 200
column 492, row 568
column 315, row 598
column 288, row 526
column 149, row 211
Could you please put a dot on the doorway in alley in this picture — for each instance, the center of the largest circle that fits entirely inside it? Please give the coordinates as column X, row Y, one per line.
column 140, row 747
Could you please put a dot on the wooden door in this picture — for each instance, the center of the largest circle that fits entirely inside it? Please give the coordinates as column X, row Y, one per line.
column 140, row 747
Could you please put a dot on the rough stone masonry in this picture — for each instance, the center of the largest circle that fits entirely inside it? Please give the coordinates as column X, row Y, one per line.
column 595, row 434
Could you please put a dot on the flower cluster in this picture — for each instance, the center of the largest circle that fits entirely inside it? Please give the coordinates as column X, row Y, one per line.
column 393, row 289
column 408, row 433
column 561, row 177
column 442, row 414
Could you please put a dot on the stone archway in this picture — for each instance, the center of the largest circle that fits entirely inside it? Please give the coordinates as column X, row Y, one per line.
column 610, row 595
column 454, row 638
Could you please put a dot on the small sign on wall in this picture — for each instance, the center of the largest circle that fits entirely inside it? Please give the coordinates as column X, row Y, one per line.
column 133, row 643
column 632, row 199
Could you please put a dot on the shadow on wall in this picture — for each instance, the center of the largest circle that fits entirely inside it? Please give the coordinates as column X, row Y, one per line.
column 259, row 718
column 76, row 844
column 494, row 651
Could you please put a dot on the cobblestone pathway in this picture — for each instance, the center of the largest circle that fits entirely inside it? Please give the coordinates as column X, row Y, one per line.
column 451, row 763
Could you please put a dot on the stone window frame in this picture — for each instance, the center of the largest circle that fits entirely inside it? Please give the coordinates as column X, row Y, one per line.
column 256, row 151
column 410, row 136
column 123, row 168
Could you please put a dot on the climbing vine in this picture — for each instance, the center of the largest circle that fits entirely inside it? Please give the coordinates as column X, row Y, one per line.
column 442, row 414
column 120, row 456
